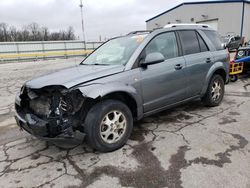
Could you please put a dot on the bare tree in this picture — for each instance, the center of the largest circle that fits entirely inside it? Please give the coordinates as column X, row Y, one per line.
column 45, row 33
column 4, row 35
column 34, row 28
column 25, row 34
column 13, row 33
column 70, row 34
column 55, row 36
column 33, row 32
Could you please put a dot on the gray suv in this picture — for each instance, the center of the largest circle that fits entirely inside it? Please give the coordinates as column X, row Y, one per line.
column 124, row 80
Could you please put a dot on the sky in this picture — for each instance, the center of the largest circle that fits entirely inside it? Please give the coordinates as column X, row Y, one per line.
column 105, row 18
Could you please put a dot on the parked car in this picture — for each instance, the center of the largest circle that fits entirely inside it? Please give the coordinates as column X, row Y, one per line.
column 248, row 43
column 124, row 80
column 242, row 53
column 233, row 42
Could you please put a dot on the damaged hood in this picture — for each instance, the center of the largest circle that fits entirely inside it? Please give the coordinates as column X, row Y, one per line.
column 75, row 75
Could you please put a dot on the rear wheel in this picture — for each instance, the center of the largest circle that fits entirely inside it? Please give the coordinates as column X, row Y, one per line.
column 108, row 125
column 233, row 78
column 215, row 91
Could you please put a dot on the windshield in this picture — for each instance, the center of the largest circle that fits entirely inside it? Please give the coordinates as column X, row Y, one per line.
column 115, row 52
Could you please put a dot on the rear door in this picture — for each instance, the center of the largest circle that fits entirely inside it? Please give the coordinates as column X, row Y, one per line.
column 198, row 60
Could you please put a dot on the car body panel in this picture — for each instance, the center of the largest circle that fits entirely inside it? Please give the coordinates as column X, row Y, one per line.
column 127, row 82
column 197, row 68
column 70, row 77
column 218, row 65
column 162, row 84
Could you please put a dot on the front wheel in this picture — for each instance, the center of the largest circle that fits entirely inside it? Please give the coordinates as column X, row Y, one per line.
column 108, row 125
column 215, row 91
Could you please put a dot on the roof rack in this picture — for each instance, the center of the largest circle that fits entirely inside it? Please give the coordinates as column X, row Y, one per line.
column 139, row 32
column 183, row 25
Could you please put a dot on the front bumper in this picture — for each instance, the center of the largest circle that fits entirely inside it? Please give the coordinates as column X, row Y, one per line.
column 39, row 127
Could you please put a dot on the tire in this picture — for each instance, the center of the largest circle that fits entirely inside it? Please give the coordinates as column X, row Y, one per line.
column 233, row 78
column 213, row 98
column 102, row 129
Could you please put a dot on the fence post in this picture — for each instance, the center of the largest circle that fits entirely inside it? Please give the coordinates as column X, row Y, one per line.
column 17, row 51
column 65, row 50
column 43, row 50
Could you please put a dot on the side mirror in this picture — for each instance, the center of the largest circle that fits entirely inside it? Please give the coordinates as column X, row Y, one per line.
column 153, row 58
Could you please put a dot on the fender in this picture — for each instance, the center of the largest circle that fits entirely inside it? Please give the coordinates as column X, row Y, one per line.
column 97, row 90
column 216, row 66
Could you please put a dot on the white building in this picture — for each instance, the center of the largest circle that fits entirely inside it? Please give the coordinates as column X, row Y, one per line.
column 231, row 17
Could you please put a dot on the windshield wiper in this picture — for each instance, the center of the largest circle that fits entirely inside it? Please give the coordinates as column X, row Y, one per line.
column 95, row 64
column 101, row 64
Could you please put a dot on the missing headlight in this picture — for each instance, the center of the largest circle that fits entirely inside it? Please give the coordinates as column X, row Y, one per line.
column 41, row 106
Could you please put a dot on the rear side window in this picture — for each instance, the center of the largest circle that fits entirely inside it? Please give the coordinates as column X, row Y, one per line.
column 203, row 46
column 215, row 39
column 190, row 43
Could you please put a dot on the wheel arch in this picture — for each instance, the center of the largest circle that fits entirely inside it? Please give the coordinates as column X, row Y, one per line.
column 218, row 68
column 124, row 97
column 118, row 91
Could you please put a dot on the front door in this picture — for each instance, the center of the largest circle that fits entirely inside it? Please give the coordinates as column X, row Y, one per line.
column 163, row 83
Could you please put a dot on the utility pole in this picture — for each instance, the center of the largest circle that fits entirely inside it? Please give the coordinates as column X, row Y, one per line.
column 83, row 32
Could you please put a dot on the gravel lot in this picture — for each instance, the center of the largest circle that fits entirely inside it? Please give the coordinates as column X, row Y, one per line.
column 189, row 146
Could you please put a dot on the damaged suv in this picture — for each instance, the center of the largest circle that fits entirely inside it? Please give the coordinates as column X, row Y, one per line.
column 124, row 80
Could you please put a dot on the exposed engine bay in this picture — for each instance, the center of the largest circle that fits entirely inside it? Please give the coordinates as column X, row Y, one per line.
column 51, row 111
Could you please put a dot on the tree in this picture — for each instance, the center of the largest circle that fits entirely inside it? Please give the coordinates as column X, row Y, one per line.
column 25, row 34
column 13, row 33
column 4, row 35
column 70, row 34
column 45, row 33
column 33, row 32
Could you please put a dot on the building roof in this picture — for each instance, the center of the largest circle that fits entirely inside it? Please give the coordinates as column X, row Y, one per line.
column 199, row 2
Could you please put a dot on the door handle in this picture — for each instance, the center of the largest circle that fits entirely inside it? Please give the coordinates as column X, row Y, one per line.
column 208, row 60
column 178, row 66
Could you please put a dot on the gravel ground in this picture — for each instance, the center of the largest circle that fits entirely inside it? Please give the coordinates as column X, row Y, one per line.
column 188, row 146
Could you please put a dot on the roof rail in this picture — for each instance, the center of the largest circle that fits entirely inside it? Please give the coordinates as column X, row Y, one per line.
column 183, row 25
column 139, row 32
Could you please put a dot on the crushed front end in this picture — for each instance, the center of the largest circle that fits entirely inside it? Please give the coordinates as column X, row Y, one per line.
column 50, row 112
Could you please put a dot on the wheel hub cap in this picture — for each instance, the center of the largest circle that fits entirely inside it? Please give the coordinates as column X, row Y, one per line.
column 113, row 127
column 216, row 90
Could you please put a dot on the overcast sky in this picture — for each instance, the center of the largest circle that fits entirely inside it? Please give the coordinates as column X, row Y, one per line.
column 107, row 18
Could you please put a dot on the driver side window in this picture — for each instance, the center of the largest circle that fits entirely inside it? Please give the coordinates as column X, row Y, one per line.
column 165, row 43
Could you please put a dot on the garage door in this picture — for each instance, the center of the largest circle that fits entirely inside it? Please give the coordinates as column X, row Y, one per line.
column 211, row 23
